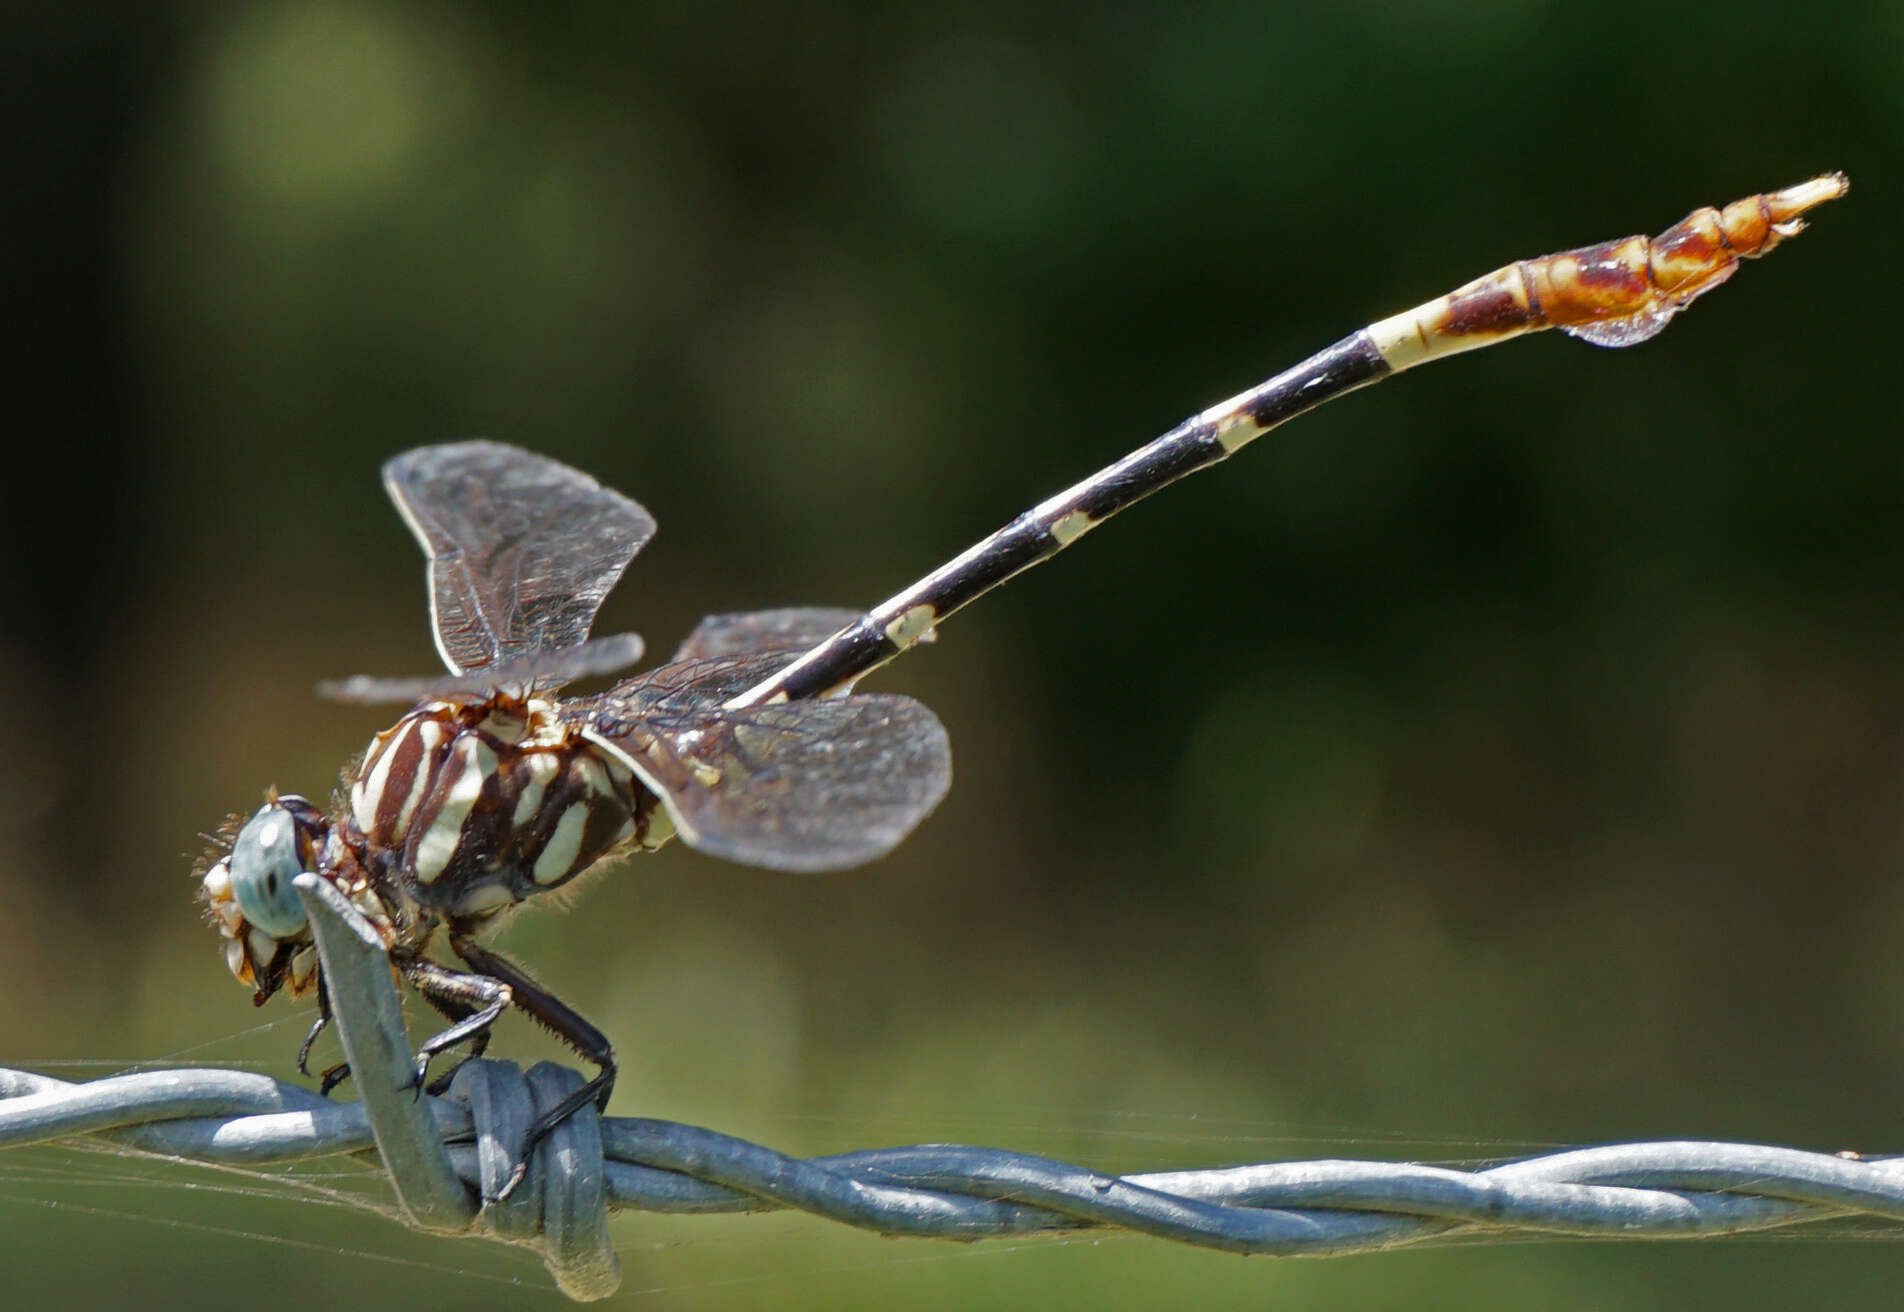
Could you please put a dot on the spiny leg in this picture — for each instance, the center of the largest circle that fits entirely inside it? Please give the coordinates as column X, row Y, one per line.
column 566, row 1024
column 460, row 999
column 318, row 1026
column 472, row 1001
column 333, row 1075
column 456, row 1011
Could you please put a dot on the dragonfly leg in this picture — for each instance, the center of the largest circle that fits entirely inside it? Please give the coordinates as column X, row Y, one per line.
column 333, row 1075
column 559, row 1019
column 318, row 1026
column 473, row 1002
column 456, row 1011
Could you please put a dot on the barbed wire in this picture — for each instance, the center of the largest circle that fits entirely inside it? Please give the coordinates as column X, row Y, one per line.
column 443, row 1155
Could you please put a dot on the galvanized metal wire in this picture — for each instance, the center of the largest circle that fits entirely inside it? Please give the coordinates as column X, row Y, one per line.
column 444, row 1156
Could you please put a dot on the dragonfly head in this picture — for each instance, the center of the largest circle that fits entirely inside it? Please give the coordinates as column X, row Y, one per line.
column 247, row 893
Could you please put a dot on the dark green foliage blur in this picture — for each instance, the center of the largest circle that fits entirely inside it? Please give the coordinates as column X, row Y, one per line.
column 1509, row 756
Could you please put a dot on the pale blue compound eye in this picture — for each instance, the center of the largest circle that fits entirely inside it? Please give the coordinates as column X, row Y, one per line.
column 264, row 861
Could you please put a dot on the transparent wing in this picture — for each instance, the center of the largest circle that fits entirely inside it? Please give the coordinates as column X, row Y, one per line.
column 522, row 549
column 681, row 687
column 523, row 675
column 800, row 786
column 793, row 629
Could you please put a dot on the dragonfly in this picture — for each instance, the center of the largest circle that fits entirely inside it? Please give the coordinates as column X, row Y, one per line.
column 751, row 743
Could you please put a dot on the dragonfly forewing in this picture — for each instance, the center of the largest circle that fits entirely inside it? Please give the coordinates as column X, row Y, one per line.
column 522, row 549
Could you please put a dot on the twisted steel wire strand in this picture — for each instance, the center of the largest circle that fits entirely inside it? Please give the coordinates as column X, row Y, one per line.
column 1675, row 1189
column 444, row 1154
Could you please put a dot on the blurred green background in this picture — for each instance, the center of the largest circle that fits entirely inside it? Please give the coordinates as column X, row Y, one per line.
column 1508, row 756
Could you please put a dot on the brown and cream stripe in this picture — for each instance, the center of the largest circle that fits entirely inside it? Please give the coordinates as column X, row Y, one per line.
column 484, row 805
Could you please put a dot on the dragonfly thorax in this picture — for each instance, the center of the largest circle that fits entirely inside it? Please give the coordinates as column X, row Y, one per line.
column 469, row 808
column 456, row 813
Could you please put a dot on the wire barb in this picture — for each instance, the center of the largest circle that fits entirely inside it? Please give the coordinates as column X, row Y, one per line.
column 369, row 1019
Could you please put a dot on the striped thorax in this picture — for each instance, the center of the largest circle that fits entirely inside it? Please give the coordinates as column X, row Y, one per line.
column 471, row 808
column 456, row 813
